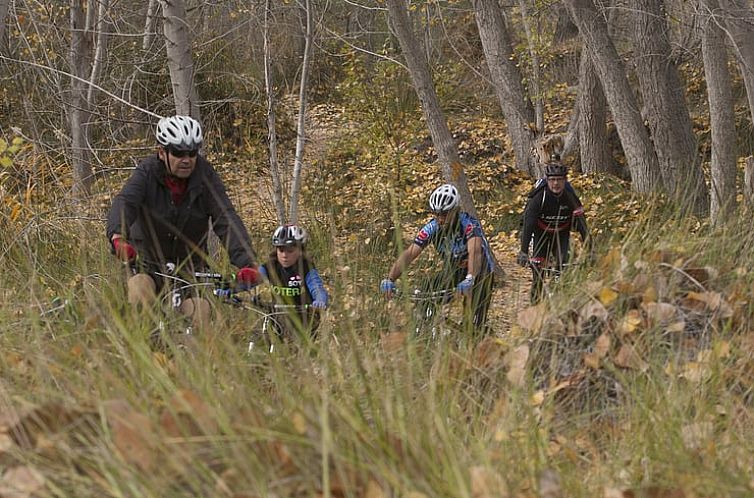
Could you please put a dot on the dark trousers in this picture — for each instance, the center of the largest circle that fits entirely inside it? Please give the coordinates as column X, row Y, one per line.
column 550, row 251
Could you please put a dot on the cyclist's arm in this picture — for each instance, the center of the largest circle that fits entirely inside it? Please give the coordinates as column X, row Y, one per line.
column 531, row 213
column 316, row 287
column 404, row 260
column 475, row 256
column 263, row 272
column 579, row 220
column 226, row 223
column 125, row 205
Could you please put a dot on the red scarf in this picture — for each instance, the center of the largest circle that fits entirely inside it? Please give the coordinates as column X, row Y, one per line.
column 177, row 187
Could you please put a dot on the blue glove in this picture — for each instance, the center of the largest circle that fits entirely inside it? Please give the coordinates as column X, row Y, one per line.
column 466, row 284
column 223, row 292
column 387, row 285
column 320, row 305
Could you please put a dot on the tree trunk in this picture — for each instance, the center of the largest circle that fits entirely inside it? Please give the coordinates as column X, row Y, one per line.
column 301, row 130
column 445, row 146
column 739, row 19
column 665, row 108
column 749, row 181
column 593, row 143
column 272, row 140
column 149, row 18
column 101, row 28
column 78, row 115
column 180, row 62
column 535, row 88
column 641, row 158
column 722, row 119
column 571, row 141
column 4, row 5
column 506, row 76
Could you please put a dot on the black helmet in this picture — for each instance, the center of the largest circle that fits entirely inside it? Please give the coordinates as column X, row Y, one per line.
column 289, row 235
column 556, row 169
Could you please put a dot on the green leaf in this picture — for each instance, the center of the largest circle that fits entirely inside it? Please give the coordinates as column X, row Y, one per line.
column 5, row 162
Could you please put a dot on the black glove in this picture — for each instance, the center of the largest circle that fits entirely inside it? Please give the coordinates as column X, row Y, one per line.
column 522, row 259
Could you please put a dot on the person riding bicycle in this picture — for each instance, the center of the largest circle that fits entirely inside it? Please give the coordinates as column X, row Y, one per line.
column 551, row 212
column 294, row 280
column 163, row 214
column 459, row 239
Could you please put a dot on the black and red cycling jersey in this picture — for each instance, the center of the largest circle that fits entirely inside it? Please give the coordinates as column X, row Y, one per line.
column 550, row 214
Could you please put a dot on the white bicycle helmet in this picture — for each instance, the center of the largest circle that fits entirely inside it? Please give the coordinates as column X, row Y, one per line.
column 289, row 235
column 179, row 133
column 444, row 198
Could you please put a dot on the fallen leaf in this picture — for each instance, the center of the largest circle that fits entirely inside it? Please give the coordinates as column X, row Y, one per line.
column 676, row 327
column 630, row 322
column 516, row 361
column 602, row 345
column 21, row 482
column 374, row 490
column 132, row 433
column 627, row 357
column 607, row 296
column 394, row 341
column 532, row 318
column 486, row 483
column 593, row 309
column 659, row 313
column 299, row 423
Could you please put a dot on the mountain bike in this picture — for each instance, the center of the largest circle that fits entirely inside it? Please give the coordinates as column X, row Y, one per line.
column 549, row 273
column 431, row 312
column 176, row 289
column 272, row 323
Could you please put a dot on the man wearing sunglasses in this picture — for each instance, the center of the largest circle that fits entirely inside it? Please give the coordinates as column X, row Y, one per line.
column 163, row 215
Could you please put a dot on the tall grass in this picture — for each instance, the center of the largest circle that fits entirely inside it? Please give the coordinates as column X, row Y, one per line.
column 353, row 413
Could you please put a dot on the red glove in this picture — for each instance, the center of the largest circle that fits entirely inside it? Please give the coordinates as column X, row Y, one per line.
column 123, row 250
column 247, row 277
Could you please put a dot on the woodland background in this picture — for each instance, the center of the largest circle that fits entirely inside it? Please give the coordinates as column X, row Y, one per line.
column 634, row 380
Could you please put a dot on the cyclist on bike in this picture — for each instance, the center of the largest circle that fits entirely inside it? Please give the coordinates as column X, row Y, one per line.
column 551, row 212
column 459, row 239
column 163, row 214
column 293, row 278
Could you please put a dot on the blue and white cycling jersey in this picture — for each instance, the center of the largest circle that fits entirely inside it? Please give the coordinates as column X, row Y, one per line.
column 452, row 244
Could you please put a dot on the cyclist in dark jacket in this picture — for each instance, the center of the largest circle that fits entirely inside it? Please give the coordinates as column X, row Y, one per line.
column 163, row 215
column 551, row 212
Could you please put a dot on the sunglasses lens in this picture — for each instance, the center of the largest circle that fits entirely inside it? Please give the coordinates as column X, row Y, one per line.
column 184, row 153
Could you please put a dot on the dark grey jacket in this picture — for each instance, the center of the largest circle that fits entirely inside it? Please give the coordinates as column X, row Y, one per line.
column 143, row 212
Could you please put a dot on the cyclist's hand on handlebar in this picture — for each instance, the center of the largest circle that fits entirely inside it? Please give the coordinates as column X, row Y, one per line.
column 387, row 287
column 123, row 250
column 320, row 305
column 465, row 285
column 248, row 278
column 522, row 259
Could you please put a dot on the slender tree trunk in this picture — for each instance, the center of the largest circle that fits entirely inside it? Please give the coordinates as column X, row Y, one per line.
column 749, row 181
column 100, row 50
column 640, row 156
column 536, row 78
column 445, row 146
column 78, row 115
column 665, row 108
column 301, row 129
column 739, row 19
column 593, row 144
column 149, row 21
column 180, row 61
column 4, row 6
column 571, row 142
column 277, row 188
column 506, row 76
column 722, row 119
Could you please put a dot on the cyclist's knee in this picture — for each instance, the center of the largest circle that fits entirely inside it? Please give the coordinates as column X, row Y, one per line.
column 198, row 309
column 141, row 289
